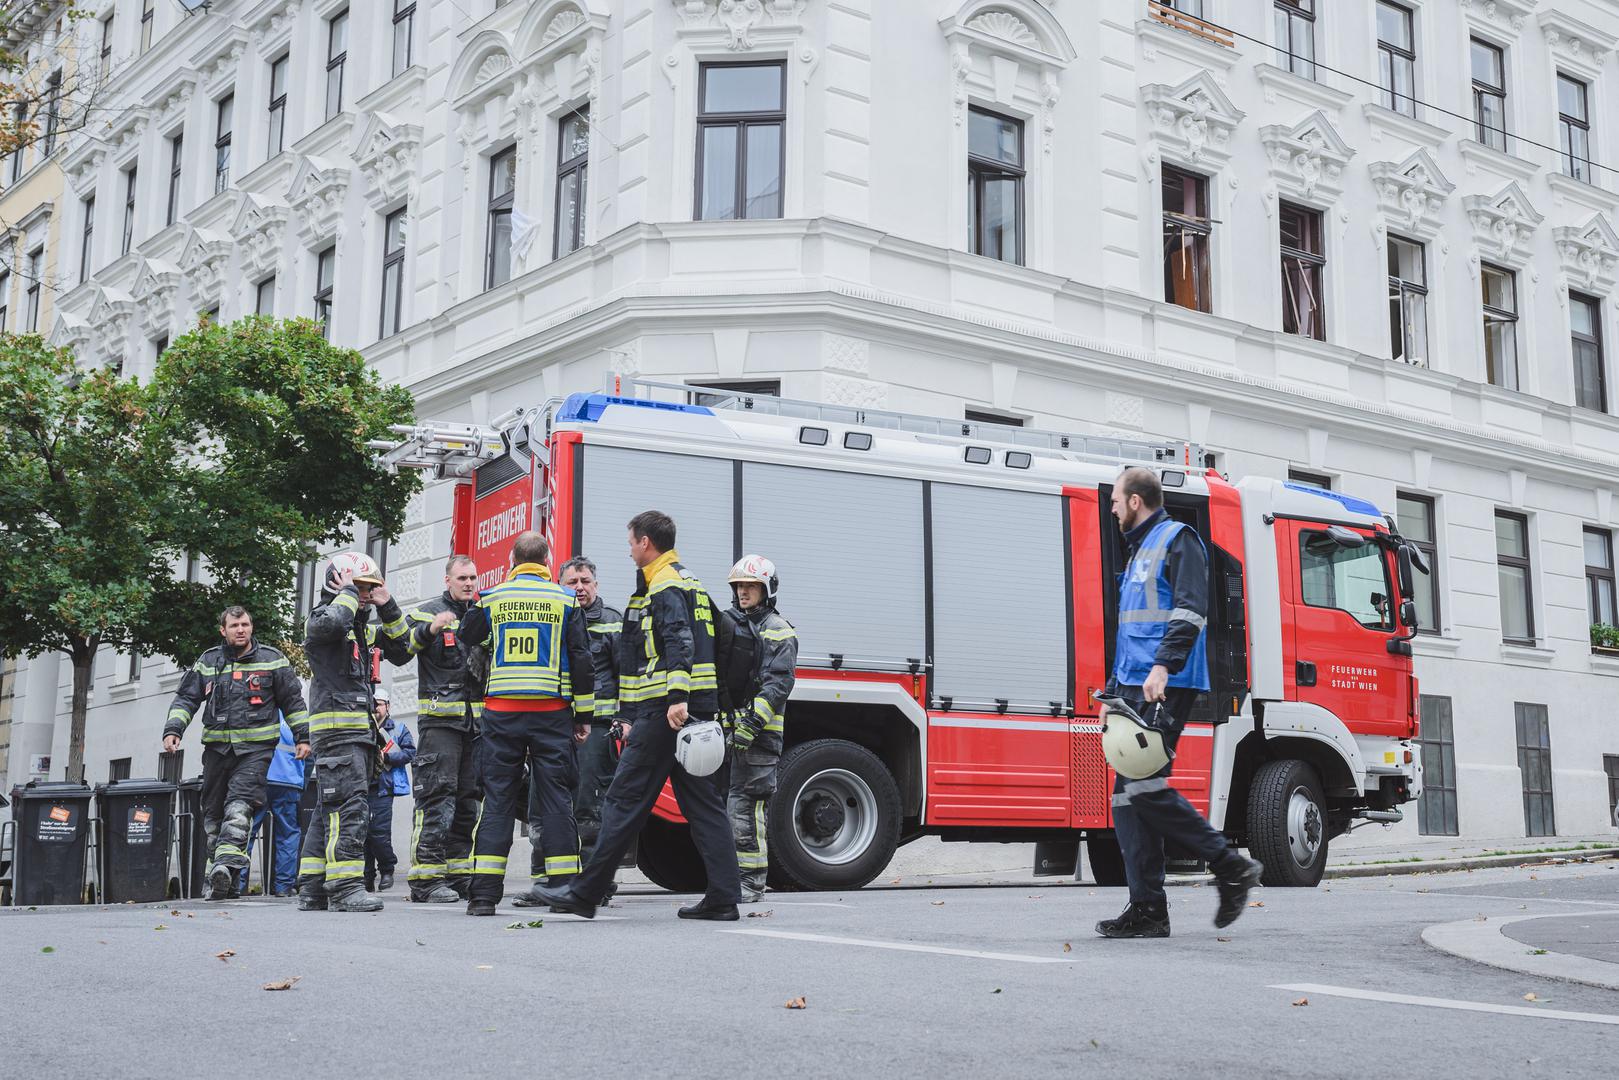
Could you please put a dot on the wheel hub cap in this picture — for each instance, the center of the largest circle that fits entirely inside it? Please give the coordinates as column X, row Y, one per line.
column 835, row 816
column 822, row 816
column 1305, row 829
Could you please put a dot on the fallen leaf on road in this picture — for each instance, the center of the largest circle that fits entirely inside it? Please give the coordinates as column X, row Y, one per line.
column 1531, row 996
column 175, row 912
column 284, row 984
column 1222, row 939
column 1095, row 1045
column 226, row 955
column 938, row 903
column 1537, row 952
column 1067, row 946
column 1481, row 918
column 894, row 882
column 160, row 926
column 1257, row 903
column 484, row 967
column 996, row 990
column 419, row 941
column 532, row 924
column 48, row 948
column 796, row 1003
column 1300, row 1002
column 1422, row 890
column 761, row 914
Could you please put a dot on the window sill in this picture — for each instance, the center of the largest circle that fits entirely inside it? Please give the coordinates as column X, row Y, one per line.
column 1605, row 663
column 399, row 91
column 1436, row 644
column 170, row 680
column 1280, row 81
column 124, row 691
column 1384, row 120
column 1155, row 36
column 1497, row 161
column 1590, row 196
column 1532, row 655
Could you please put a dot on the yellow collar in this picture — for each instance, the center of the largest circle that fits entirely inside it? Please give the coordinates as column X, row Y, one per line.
column 659, row 566
column 535, row 568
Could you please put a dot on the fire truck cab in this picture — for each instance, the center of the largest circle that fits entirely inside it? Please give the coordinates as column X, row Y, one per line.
column 953, row 585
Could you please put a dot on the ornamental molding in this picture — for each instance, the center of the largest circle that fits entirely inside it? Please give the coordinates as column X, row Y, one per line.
column 317, row 192
column 386, row 153
column 1193, row 122
column 553, row 27
column 82, row 168
column 483, row 70
column 740, row 24
column 1588, row 254
column 1307, row 160
column 1499, row 15
column 260, row 230
column 1503, row 224
column 851, row 355
column 1412, row 194
column 273, row 24
column 1576, row 44
column 168, row 102
column 70, row 332
column 217, row 64
column 156, row 286
column 111, row 316
column 859, row 393
column 204, row 259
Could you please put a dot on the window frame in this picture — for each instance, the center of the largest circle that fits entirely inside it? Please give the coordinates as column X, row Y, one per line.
column 1610, row 766
column 1526, row 563
column 176, row 177
column 336, row 63
column 1482, row 90
column 1595, row 341
column 741, row 121
column 277, row 113
column 1386, row 623
column 19, row 117
column 104, row 60
column 1430, row 549
column 224, row 133
column 1199, row 227
column 393, row 263
column 1499, row 314
column 1296, row 12
column 1600, row 579
column 1399, row 290
column 131, row 188
column 1438, row 777
column 324, row 293
column 1309, row 479
column 980, row 171
column 259, row 307
column 577, row 168
column 87, row 240
column 5, row 299
column 376, row 546
column 148, row 21
column 1538, row 753
column 405, row 15
column 36, row 270
column 1574, row 167
column 53, row 109
column 1311, row 264
column 712, row 393
column 497, row 207
column 1394, row 55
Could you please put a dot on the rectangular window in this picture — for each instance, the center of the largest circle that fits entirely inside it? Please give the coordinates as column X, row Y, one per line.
column 729, row 390
column 132, row 673
column 979, row 416
column 87, row 241
column 264, row 297
column 498, row 241
column 1610, row 765
column 1352, row 580
column 1397, row 57
column 36, row 272
column 1500, row 326
column 1419, row 524
column 1585, row 327
column 305, row 586
column 995, row 186
column 1573, row 128
column 1489, row 95
column 1436, row 813
column 1408, row 301
column 106, row 44
column 1295, row 35
column 1535, row 766
column 193, row 566
column 5, row 300
column 1599, row 576
column 1193, row 8
column 740, row 145
column 118, row 769
column 1187, row 229
column 337, row 55
column 19, row 117
column 53, row 105
column 1309, row 479
column 159, row 347
column 148, row 14
column 393, row 272
column 325, row 273
column 278, row 107
column 1303, row 268
column 130, row 188
column 222, row 137
column 573, row 174
column 404, row 31
column 376, row 546
column 1513, row 570
column 171, row 212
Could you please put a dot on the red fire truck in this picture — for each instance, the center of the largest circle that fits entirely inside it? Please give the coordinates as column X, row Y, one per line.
column 953, row 586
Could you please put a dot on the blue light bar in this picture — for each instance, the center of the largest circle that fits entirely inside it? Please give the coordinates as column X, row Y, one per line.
column 1348, row 502
column 588, row 408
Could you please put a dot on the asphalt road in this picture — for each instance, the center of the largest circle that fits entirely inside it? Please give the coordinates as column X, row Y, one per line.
column 937, row 982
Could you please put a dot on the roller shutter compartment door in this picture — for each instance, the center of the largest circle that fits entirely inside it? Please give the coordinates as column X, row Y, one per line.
column 1000, row 609
column 695, row 491
column 848, row 549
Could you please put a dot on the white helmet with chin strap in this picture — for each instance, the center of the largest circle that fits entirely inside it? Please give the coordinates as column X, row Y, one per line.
column 1134, row 747
column 700, row 747
column 365, row 569
column 756, row 569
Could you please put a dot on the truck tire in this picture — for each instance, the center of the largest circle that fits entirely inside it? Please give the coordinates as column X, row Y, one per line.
column 1287, row 823
column 666, row 855
column 1106, row 859
column 835, row 817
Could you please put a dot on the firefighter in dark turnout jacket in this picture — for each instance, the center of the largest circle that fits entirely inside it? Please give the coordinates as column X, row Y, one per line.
column 539, row 666
column 337, row 643
column 666, row 677
column 244, row 685
column 756, row 679
column 448, row 707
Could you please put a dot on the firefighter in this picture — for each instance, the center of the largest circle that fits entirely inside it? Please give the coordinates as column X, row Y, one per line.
column 597, row 755
column 338, row 640
column 244, row 685
column 539, row 662
column 449, row 703
column 1160, row 665
column 756, row 679
column 666, row 677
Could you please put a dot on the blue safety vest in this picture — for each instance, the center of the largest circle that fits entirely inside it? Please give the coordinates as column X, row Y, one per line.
column 1146, row 608
column 528, row 615
column 285, row 768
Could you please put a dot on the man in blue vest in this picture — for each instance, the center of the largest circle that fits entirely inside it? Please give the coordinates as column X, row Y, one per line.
column 398, row 752
column 1160, row 665
column 284, row 787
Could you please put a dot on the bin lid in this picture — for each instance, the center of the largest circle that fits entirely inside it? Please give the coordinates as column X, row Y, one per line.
column 51, row 789
column 143, row 785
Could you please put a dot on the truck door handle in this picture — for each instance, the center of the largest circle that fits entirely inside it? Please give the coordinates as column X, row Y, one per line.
column 1304, row 673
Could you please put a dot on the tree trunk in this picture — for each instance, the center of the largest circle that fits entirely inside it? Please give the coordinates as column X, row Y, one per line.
column 84, row 664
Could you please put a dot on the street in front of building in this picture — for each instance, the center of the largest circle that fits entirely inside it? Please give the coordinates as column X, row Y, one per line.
column 968, row 980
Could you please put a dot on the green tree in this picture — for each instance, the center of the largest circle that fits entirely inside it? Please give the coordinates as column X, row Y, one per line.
column 245, row 453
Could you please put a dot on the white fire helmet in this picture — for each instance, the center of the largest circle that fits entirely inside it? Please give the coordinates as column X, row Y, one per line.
column 366, row 571
column 758, row 570
column 1133, row 747
column 700, row 747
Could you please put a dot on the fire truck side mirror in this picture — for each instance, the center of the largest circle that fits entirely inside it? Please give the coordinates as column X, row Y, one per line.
column 1402, row 559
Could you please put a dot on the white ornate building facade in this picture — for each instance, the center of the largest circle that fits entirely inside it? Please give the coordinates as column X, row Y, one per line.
column 1377, row 252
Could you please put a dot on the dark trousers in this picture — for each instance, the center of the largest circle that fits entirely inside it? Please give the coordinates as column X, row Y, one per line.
column 544, row 742
column 333, row 859
column 1148, row 812
column 446, row 810
column 595, row 774
column 379, row 837
column 752, row 781
column 233, row 790
column 285, row 835
column 649, row 760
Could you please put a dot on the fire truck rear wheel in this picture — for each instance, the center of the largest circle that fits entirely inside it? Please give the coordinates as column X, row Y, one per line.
column 1287, row 823
column 835, row 817
column 666, row 855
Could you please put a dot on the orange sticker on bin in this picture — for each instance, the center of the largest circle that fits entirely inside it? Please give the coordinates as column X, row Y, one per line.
column 143, row 816
column 61, row 813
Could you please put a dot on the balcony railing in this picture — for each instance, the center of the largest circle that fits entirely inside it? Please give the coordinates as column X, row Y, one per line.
column 1191, row 24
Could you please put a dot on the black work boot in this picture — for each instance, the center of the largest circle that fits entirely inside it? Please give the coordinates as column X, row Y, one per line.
column 311, row 900
column 706, row 909
column 1137, row 921
column 480, row 907
column 385, row 880
column 221, row 883
column 438, row 894
column 564, row 900
column 1234, row 893
column 356, row 899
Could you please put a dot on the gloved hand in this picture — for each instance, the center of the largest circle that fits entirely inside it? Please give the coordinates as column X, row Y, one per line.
column 743, row 736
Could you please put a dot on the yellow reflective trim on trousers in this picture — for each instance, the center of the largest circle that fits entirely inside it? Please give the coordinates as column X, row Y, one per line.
column 416, row 821
column 434, row 707
column 426, row 871
column 228, row 849
column 331, row 838
column 757, row 857
column 458, row 866
column 339, row 721
column 489, row 864
column 561, row 864
column 342, row 871
column 311, row 865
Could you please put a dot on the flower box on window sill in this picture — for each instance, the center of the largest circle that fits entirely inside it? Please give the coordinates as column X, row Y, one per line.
column 1605, row 650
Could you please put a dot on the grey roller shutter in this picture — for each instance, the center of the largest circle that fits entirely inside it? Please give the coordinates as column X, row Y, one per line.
column 695, row 491
column 848, row 549
column 1000, row 610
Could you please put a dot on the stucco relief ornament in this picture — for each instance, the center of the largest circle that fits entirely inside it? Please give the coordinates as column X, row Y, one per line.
column 1006, row 26
column 561, row 24
column 739, row 17
column 961, row 65
column 1307, row 162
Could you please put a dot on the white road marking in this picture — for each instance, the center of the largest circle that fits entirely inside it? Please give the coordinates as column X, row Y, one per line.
column 903, row 946
column 768, row 904
column 1448, row 1003
column 1610, row 904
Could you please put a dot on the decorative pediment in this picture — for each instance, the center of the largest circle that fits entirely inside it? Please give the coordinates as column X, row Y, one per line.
column 739, row 23
column 82, row 168
column 1014, row 29
column 259, row 229
column 169, row 101
column 273, row 24
column 70, row 332
column 111, row 316
column 1503, row 224
column 218, row 62
column 204, row 259
column 1499, row 15
column 1412, row 194
column 1307, row 160
column 386, row 153
column 317, row 192
column 1192, row 122
column 483, row 69
column 156, row 287
column 1589, row 254
column 554, row 27
column 1576, row 44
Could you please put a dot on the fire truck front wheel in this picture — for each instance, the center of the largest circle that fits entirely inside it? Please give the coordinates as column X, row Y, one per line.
column 1287, row 823
column 835, row 818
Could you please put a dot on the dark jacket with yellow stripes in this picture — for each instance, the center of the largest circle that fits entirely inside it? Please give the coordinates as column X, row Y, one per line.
column 605, row 625
column 445, row 684
column 243, row 695
column 758, row 672
column 666, row 652
column 337, row 643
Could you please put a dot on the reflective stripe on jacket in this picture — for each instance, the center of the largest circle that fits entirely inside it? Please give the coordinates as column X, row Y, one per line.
column 759, row 672
column 445, row 684
column 245, row 695
column 338, row 639
column 667, row 647
column 536, row 639
column 605, row 626
column 1147, row 608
